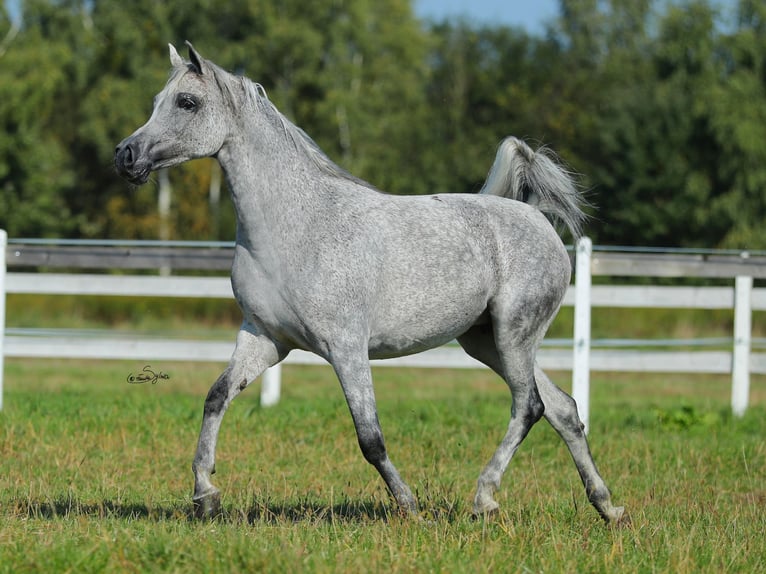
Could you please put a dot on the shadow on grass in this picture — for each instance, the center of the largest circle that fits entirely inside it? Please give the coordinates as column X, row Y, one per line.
column 67, row 507
column 318, row 512
column 433, row 507
column 258, row 513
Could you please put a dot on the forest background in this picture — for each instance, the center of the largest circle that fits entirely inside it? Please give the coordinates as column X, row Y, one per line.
column 659, row 106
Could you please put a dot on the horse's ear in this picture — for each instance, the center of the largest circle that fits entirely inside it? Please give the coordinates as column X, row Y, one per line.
column 196, row 60
column 175, row 59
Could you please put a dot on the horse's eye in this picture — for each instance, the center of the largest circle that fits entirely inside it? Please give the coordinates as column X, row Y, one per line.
column 186, row 102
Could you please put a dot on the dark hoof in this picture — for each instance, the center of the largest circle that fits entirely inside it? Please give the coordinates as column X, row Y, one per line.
column 208, row 506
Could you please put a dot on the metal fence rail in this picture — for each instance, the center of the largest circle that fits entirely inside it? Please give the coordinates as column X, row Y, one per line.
column 84, row 254
column 581, row 355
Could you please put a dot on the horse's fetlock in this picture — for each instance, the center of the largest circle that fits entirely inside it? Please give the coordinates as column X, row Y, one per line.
column 374, row 454
column 599, row 496
column 372, row 445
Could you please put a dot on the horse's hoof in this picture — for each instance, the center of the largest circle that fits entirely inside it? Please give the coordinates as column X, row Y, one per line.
column 485, row 508
column 618, row 517
column 207, row 506
column 408, row 511
column 408, row 506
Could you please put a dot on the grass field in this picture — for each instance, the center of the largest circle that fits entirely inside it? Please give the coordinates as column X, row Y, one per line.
column 95, row 476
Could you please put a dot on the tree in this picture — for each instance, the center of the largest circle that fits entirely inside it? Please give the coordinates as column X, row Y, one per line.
column 486, row 83
column 679, row 150
column 658, row 106
column 349, row 73
column 659, row 110
column 34, row 163
column 737, row 109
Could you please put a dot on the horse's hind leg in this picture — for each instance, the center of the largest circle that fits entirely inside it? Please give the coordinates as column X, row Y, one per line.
column 561, row 412
column 253, row 354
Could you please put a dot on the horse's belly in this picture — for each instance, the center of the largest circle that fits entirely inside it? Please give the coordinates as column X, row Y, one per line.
column 423, row 328
column 389, row 347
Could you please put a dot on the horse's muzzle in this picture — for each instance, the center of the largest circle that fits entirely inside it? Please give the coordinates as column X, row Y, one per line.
column 130, row 164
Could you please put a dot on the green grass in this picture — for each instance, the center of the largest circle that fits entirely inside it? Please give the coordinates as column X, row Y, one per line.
column 95, row 476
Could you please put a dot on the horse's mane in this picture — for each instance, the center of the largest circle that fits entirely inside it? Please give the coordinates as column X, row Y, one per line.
column 255, row 96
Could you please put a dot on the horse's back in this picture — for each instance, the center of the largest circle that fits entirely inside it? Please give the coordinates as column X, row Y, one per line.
column 511, row 240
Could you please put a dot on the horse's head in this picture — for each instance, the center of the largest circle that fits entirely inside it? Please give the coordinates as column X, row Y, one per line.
column 188, row 121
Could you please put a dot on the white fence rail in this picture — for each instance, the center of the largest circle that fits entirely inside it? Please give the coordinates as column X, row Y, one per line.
column 580, row 355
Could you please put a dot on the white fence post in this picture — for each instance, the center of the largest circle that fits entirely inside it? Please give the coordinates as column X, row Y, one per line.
column 581, row 359
column 740, row 369
column 3, row 243
column 271, row 381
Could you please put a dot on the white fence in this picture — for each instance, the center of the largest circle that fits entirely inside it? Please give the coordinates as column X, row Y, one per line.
column 743, row 299
column 580, row 355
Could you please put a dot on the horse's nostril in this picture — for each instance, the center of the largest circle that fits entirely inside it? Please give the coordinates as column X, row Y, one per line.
column 124, row 155
column 127, row 156
column 130, row 162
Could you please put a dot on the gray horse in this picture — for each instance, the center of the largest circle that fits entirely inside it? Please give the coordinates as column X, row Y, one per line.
column 326, row 263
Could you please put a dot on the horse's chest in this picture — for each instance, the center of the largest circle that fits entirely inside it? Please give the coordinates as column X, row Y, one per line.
column 263, row 299
column 254, row 289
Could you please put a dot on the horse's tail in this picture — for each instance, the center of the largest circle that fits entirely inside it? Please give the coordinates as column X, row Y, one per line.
column 536, row 178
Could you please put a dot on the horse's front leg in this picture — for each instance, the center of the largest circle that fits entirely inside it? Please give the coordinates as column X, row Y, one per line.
column 253, row 354
column 353, row 370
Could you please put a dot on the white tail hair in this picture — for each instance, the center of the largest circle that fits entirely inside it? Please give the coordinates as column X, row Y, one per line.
column 536, row 178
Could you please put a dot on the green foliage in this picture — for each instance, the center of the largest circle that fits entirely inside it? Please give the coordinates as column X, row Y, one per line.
column 34, row 167
column 686, row 417
column 660, row 106
column 675, row 161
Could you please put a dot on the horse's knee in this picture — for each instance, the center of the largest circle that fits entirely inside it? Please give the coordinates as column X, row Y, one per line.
column 218, row 395
column 215, row 401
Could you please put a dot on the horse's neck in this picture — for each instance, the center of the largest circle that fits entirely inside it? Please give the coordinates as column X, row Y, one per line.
column 267, row 185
